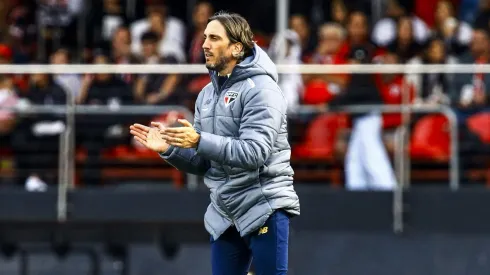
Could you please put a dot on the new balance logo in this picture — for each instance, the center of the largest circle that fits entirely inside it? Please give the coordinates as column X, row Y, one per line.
column 263, row 230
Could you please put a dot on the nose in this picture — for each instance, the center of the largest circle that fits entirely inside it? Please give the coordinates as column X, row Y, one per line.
column 205, row 44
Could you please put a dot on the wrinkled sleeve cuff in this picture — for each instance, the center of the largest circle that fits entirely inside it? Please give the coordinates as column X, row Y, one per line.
column 210, row 146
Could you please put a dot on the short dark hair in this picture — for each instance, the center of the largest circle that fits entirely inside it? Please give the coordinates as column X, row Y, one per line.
column 149, row 37
column 237, row 29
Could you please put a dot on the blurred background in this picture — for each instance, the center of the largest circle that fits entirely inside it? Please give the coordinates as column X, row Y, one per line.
column 51, row 163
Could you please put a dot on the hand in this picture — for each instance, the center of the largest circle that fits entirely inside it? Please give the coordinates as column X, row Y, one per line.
column 150, row 137
column 183, row 137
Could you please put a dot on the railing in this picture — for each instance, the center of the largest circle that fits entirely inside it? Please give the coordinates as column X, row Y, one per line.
column 401, row 155
column 67, row 144
column 281, row 68
column 66, row 165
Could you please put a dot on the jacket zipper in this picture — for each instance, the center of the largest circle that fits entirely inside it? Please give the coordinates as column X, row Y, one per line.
column 220, row 201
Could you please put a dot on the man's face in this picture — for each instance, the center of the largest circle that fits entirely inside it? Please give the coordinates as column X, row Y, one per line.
column 300, row 26
column 149, row 48
column 60, row 57
column 216, row 46
column 479, row 44
column 330, row 40
column 121, row 42
column 157, row 22
column 436, row 51
column 357, row 27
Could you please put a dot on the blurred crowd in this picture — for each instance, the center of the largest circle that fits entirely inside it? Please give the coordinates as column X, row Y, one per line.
column 163, row 32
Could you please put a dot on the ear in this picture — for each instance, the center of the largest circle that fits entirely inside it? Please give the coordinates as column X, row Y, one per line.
column 237, row 49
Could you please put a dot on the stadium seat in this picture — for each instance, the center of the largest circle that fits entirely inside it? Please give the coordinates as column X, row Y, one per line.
column 480, row 125
column 430, row 139
column 138, row 162
column 314, row 160
column 321, row 137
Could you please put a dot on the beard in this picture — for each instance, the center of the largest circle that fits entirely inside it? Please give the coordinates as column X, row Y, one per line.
column 220, row 64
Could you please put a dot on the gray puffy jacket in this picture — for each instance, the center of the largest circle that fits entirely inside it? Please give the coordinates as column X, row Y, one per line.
column 243, row 153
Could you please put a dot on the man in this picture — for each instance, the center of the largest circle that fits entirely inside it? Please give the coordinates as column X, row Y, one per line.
column 156, row 88
column 367, row 165
column 321, row 88
column 470, row 92
column 239, row 143
column 35, row 140
column 102, row 131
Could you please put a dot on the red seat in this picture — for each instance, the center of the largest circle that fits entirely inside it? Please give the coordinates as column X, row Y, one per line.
column 321, row 137
column 430, row 138
column 480, row 125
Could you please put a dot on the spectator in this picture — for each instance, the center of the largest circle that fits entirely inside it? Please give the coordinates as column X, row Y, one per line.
column 285, row 48
column 156, row 88
column 384, row 31
column 405, row 45
column 113, row 17
column 106, row 130
column 104, row 88
column 425, row 9
column 8, row 99
column 471, row 92
column 367, row 164
column 433, row 89
column 35, row 140
column 195, row 83
column 357, row 33
column 22, row 31
column 456, row 34
column 57, row 21
column 121, row 52
column 299, row 24
column 69, row 82
column 202, row 11
column 339, row 12
column 393, row 88
column 170, row 30
column 321, row 88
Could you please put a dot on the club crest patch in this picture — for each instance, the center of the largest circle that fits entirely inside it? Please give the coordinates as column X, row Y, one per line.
column 230, row 96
